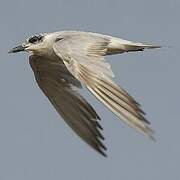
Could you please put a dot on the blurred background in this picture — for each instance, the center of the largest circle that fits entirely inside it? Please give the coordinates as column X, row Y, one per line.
column 35, row 143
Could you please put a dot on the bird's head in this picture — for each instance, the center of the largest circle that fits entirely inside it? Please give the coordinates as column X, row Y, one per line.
column 38, row 44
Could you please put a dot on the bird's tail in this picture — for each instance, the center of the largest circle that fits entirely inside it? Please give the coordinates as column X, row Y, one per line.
column 117, row 46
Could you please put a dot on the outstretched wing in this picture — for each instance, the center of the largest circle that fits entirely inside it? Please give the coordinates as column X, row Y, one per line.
column 83, row 55
column 61, row 88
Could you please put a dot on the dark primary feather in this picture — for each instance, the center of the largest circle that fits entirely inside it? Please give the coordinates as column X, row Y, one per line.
column 60, row 87
column 83, row 55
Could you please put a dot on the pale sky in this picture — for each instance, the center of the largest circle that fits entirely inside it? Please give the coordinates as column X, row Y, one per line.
column 35, row 143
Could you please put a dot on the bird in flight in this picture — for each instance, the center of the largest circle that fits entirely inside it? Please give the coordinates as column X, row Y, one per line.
column 64, row 61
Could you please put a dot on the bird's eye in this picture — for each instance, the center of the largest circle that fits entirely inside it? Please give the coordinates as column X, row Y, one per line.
column 35, row 39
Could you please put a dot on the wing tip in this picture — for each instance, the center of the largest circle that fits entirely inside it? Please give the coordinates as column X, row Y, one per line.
column 102, row 152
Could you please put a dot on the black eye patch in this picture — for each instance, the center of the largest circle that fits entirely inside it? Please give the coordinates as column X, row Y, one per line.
column 35, row 39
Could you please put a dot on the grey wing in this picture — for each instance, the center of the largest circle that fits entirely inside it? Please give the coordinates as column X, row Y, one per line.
column 61, row 89
column 83, row 55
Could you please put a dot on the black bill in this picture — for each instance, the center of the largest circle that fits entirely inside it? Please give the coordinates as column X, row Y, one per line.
column 17, row 49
